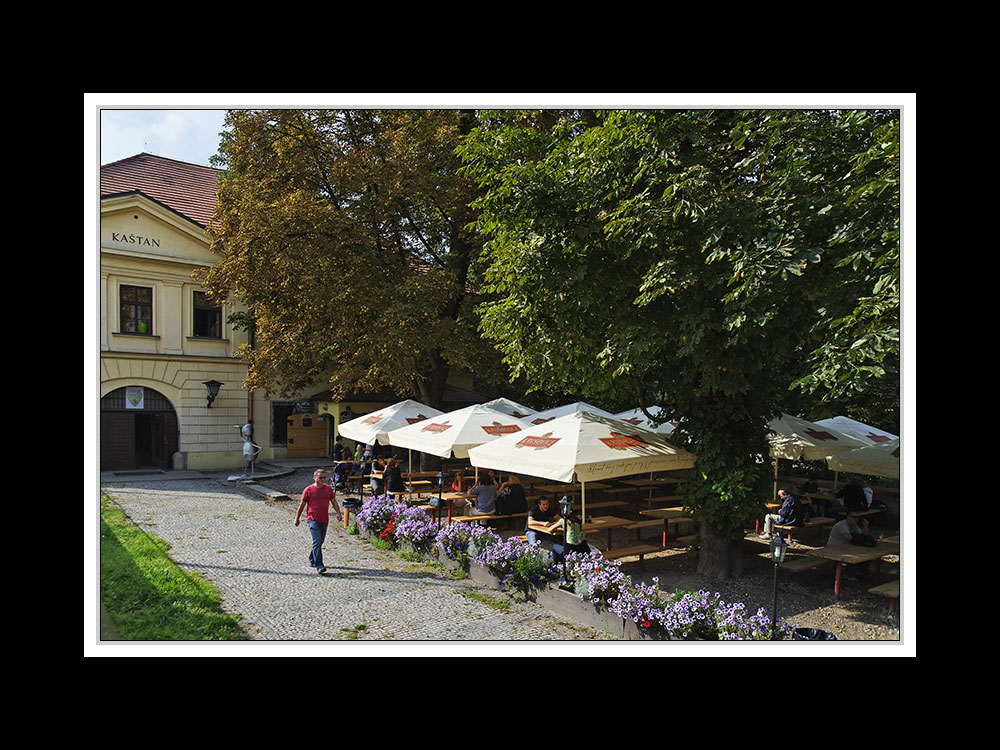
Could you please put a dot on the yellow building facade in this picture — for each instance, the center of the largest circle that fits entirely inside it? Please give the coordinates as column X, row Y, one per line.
column 165, row 345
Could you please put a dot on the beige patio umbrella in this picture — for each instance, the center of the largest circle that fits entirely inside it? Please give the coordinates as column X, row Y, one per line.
column 582, row 446
column 795, row 438
column 375, row 427
column 857, row 429
column 879, row 459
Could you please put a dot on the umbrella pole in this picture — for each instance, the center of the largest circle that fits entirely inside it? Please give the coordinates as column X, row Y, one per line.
column 775, row 494
column 583, row 500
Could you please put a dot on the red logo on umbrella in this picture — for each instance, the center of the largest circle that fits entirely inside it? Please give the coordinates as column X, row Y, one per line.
column 633, row 421
column 541, row 442
column 373, row 419
column 518, row 415
column 820, row 435
column 621, row 442
column 877, row 438
column 500, row 429
column 541, row 421
column 414, row 420
column 435, row 427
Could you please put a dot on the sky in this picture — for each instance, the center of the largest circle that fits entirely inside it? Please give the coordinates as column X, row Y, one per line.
column 190, row 135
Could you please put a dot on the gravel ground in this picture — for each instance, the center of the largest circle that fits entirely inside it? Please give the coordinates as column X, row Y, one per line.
column 376, row 595
column 257, row 559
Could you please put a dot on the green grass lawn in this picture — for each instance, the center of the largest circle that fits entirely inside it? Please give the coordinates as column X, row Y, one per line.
column 147, row 596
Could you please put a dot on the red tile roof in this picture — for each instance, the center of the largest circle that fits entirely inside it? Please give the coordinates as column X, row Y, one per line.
column 188, row 189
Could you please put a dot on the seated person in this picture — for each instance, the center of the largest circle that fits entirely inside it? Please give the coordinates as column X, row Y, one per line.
column 842, row 533
column 458, row 483
column 573, row 535
column 393, row 477
column 511, row 498
column 376, row 479
column 486, row 496
column 541, row 522
column 853, row 496
column 791, row 513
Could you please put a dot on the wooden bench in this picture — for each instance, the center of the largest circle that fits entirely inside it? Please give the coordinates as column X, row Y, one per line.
column 889, row 590
column 657, row 522
column 662, row 498
column 798, row 564
column 406, row 495
column 605, row 504
column 817, row 522
column 687, row 539
column 493, row 517
column 639, row 549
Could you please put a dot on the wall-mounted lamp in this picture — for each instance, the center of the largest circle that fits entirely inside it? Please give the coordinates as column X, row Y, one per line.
column 213, row 390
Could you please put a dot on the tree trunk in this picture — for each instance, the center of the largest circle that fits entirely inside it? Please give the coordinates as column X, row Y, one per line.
column 719, row 559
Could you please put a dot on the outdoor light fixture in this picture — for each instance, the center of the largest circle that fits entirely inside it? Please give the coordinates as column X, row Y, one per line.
column 565, row 506
column 440, row 478
column 778, row 548
column 213, row 390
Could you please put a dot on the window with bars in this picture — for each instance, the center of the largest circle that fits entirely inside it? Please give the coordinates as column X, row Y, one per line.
column 136, row 305
column 207, row 317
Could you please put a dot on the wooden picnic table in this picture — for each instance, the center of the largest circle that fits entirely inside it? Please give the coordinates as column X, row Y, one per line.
column 654, row 482
column 847, row 553
column 451, row 497
column 667, row 514
column 557, row 488
column 600, row 523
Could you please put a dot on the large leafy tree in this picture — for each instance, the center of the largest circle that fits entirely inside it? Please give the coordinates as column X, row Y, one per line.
column 345, row 233
column 705, row 260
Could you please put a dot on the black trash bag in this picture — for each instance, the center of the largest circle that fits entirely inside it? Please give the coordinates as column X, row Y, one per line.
column 812, row 634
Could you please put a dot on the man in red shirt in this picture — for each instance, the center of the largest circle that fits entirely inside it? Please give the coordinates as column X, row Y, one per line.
column 318, row 497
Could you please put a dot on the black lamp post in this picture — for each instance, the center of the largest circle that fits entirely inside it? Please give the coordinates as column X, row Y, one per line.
column 778, row 548
column 213, row 390
column 565, row 507
column 440, row 478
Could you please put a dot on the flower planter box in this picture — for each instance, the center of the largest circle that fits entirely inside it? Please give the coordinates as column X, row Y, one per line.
column 562, row 603
column 570, row 606
column 438, row 555
column 635, row 632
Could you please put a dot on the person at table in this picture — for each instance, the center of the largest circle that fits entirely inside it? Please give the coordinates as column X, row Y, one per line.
column 810, row 485
column 791, row 513
column 393, row 476
column 510, row 497
column 339, row 451
column 818, row 504
column 458, row 483
column 486, row 497
column 378, row 482
column 842, row 533
column 852, row 496
column 573, row 540
column 542, row 521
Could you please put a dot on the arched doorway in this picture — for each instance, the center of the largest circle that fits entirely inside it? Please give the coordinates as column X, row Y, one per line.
column 138, row 430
